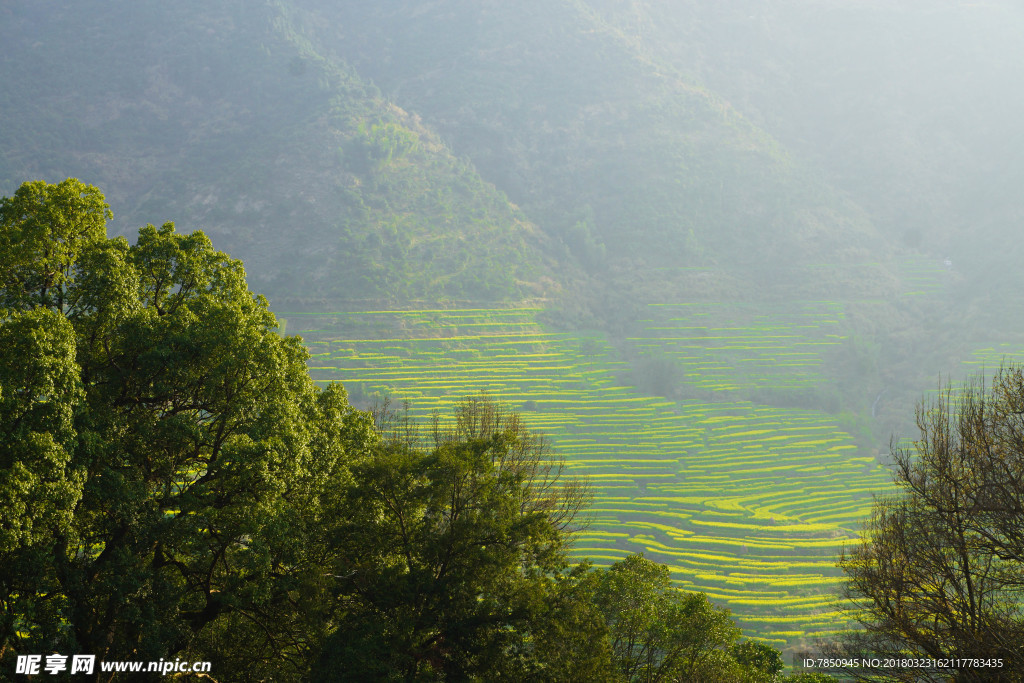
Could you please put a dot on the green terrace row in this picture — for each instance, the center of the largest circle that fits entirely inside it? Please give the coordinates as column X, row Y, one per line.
column 983, row 363
column 735, row 347
column 989, row 359
column 922, row 275
column 747, row 502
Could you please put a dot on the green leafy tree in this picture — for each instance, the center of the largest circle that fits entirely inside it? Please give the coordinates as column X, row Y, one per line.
column 759, row 657
column 570, row 639
column 170, row 450
column 39, row 482
column 44, row 230
column 454, row 552
column 661, row 633
column 39, row 391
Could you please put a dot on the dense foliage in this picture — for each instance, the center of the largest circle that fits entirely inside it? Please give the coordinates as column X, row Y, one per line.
column 175, row 485
column 165, row 449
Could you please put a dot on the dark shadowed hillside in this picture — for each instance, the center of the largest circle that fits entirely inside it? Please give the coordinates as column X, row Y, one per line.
column 221, row 116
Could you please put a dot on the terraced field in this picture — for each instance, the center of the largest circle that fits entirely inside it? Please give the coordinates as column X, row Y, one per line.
column 924, row 276
column 988, row 360
column 747, row 502
column 730, row 347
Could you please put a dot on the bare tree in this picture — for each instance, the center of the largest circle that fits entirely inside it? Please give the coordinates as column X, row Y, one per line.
column 938, row 573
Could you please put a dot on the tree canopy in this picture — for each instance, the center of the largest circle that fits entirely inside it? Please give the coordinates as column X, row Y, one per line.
column 171, row 428
column 661, row 633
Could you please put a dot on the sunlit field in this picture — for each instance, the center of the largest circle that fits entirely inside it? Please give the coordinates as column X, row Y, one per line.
column 747, row 502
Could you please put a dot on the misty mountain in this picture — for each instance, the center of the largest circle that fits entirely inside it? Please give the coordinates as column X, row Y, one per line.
column 626, row 160
column 265, row 127
column 910, row 108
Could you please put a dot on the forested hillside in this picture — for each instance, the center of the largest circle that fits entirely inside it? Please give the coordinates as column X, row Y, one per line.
column 263, row 118
column 627, row 161
column 223, row 115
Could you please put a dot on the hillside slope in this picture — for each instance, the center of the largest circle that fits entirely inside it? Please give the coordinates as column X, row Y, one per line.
column 908, row 107
column 391, row 153
column 220, row 116
column 627, row 162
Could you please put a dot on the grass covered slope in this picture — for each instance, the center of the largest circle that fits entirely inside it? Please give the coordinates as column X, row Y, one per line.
column 746, row 501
